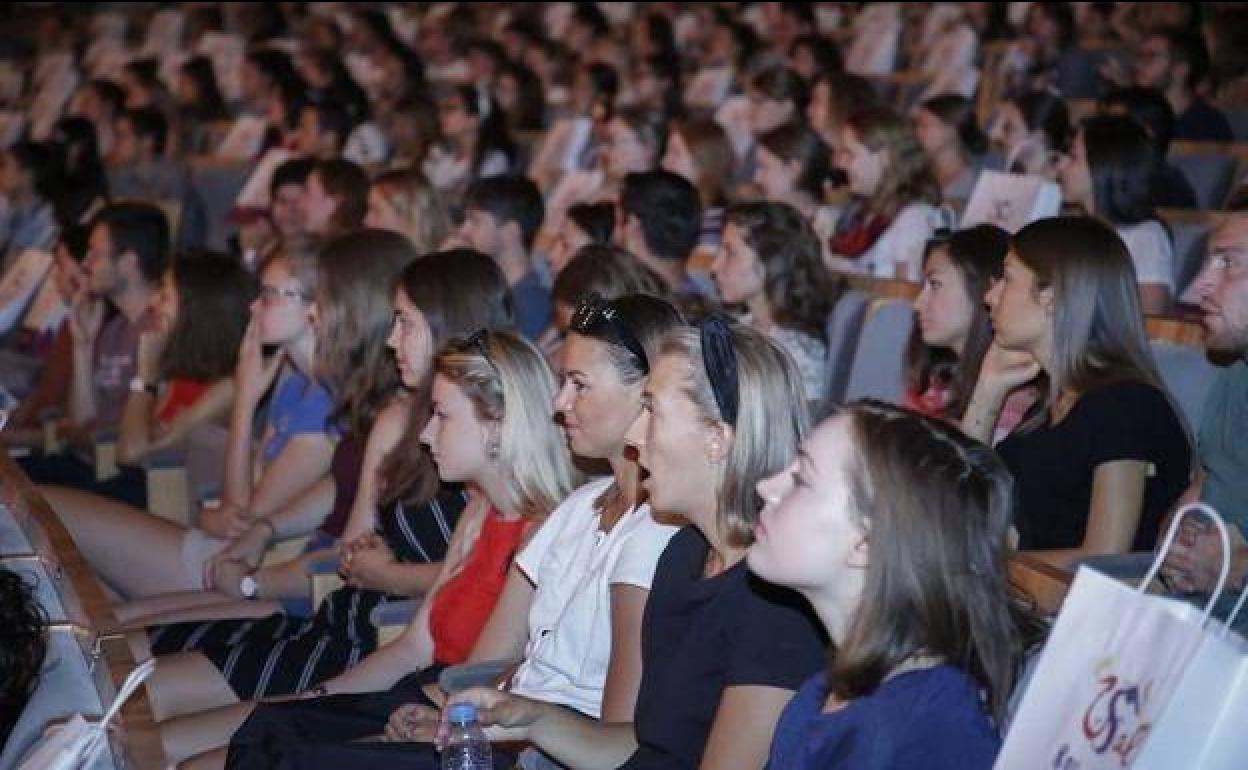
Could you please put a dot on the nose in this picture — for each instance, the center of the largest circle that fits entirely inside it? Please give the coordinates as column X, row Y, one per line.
column 563, row 398
column 392, row 339
column 635, row 436
column 256, row 305
column 993, row 295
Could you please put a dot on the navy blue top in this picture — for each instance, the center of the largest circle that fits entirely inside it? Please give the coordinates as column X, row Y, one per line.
column 927, row 719
column 700, row 636
column 533, row 305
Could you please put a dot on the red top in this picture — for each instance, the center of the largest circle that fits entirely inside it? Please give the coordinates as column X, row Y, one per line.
column 463, row 603
column 179, row 395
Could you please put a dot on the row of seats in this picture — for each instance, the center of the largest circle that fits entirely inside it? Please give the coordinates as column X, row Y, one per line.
column 82, row 667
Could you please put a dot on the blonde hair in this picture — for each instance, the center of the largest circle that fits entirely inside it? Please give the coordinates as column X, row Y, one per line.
column 508, row 381
column 419, row 206
column 772, row 419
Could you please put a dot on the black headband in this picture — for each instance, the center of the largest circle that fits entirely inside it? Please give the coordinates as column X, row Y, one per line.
column 719, row 358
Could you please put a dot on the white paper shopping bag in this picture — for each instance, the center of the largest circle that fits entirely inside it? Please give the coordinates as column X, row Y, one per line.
column 77, row 743
column 1204, row 725
column 1010, row 201
column 1115, row 658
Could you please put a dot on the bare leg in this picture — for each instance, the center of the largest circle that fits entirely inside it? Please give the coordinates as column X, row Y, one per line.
column 136, row 553
column 210, row 760
column 149, row 606
column 186, row 683
column 194, row 734
column 230, row 609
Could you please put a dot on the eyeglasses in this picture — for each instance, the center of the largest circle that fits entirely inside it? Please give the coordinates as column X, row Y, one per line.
column 271, row 295
column 598, row 317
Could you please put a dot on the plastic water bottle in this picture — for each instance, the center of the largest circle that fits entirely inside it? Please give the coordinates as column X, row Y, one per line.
column 466, row 746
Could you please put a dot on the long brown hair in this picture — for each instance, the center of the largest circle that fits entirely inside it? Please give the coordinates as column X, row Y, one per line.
column 457, row 292
column 424, row 214
column 978, row 254
column 355, row 307
column 214, row 291
column 1098, row 328
column 714, row 161
column 908, row 175
column 936, row 507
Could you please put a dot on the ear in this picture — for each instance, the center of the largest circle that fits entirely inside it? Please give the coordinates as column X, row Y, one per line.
column 859, row 554
column 1046, row 300
column 719, row 438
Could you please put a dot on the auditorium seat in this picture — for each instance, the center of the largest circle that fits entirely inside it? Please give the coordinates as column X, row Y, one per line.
column 841, row 332
column 877, row 370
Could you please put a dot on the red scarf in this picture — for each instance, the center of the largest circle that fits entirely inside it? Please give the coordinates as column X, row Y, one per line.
column 857, row 230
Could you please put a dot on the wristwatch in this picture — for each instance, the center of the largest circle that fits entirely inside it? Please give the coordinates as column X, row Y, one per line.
column 248, row 586
column 137, row 385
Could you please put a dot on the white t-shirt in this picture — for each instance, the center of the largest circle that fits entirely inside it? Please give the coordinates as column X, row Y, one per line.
column 574, row 564
column 1151, row 251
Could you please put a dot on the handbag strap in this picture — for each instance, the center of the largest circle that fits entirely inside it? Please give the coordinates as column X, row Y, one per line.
column 1173, row 531
column 139, row 675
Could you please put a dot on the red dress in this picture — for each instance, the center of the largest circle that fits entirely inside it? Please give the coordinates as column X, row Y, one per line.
column 463, row 603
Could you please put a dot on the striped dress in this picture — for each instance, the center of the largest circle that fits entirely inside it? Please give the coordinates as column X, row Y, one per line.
column 285, row 654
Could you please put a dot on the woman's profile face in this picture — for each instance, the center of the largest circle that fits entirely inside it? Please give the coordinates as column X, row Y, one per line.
column 674, row 443
column 737, row 270
column 864, row 168
column 775, row 176
column 1075, row 175
column 282, row 309
column 595, row 407
column 457, row 438
column 411, row 339
column 944, row 309
column 808, row 536
column 1020, row 318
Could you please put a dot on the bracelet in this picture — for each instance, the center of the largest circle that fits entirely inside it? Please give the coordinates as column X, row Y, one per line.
column 320, row 691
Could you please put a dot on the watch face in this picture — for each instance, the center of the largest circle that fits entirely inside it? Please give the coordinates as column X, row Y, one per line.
column 247, row 586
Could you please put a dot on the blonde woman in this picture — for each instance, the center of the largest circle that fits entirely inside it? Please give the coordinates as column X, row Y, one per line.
column 404, row 202
column 491, row 431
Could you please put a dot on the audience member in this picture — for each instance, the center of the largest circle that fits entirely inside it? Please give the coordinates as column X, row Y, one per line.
column 1032, row 129
column 879, row 506
column 1092, row 477
column 949, row 133
column 1109, row 173
column 22, row 650
column 585, row 223
column 502, row 217
column 660, row 216
column 404, row 202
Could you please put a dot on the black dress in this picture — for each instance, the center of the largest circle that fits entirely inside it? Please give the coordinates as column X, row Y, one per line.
column 284, row 654
column 1054, row 465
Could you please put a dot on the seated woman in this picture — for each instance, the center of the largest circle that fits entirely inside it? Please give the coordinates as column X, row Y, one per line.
column 792, row 164
column 769, row 261
column 572, row 608
column 893, row 212
column 699, row 151
column 400, row 523
column 491, row 432
column 476, row 143
column 1109, row 173
column 722, row 653
column 953, row 330
column 199, row 316
column 949, row 133
column 1033, row 130
column 1093, row 476
column 138, row 554
column 879, row 507
column 403, row 201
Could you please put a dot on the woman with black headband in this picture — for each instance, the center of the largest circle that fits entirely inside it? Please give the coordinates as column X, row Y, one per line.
column 722, row 653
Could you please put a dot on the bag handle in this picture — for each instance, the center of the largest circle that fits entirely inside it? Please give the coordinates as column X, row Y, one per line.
column 137, row 677
column 1173, row 531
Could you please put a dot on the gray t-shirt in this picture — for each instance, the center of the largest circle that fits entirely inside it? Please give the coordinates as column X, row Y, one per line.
column 1223, row 450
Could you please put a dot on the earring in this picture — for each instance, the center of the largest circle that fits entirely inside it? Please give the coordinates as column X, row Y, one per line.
column 492, row 451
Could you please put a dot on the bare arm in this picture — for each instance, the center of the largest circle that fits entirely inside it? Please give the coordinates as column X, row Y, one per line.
column 744, row 722
column 1113, row 514
column 619, row 694
column 140, row 437
column 413, row 649
column 303, row 460
column 253, row 376
column 385, row 435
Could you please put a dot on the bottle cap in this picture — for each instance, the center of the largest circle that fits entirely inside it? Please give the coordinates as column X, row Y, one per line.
column 462, row 713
